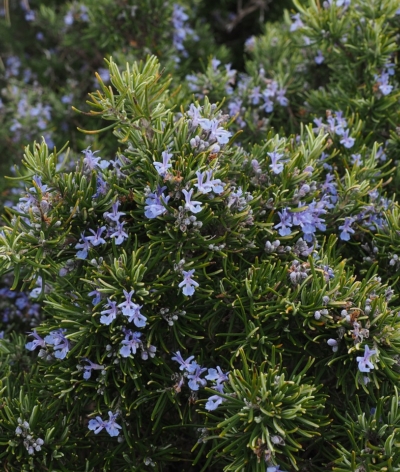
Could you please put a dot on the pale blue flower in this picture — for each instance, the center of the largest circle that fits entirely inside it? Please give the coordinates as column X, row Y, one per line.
column 188, row 283
column 90, row 161
column 297, row 23
column 214, row 401
column 217, row 375
column 216, row 132
column 88, row 368
column 347, row 141
column 155, row 203
column 285, row 223
column 96, row 424
column 191, row 205
column 96, row 239
column 132, row 310
column 195, row 381
column 210, row 185
column 128, row 306
column 346, row 230
column 59, row 342
column 113, row 215
column 119, row 234
column 148, row 351
column 162, row 167
column 274, row 468
column 275, row 166
column 111, row 426
column 184, row 364
column 38, row 341
column 319, row 58
column 97, row 296
column 194, row 113
column 131, row 343
column 112, row 313
column 364, row 362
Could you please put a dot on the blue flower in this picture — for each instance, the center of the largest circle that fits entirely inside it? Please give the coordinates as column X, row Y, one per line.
column 162, row 168
column 112, row 313
column 139, row 320
column 210, row 185
column 113, row 215
column 131, row 343
column 184, row 364
column 155, row 203
column 97, row 296
column 274, row 468
column 286, row 222
column 110, row 425
column 364, row 362
column 128, row 305
column 101, row 187
column 193, row 206
column 88, row 368
column 195, row 380
column 96, row 239
column 132, row 310
column 84, row 247
column 255, row 95
column 319, row 58
column 216, row 132
column 297, row 23
column 217, row 375
column 214, row 401
column 38, row 341
column 90, row 161
column 38, row 185
column 194, row 114
column 59, row 342
column 96, row 424
column 188, row 283
column 347, row 141
column 346, row 230
column 275, row 166
column 356, row 159
column 148, row 351
column 119, row 234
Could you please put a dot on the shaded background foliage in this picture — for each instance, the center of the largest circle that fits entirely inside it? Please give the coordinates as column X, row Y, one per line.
column 283, row 271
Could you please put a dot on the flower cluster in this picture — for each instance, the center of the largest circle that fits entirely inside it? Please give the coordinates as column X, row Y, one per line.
column 30, row 443
column 132, row 342
column 308, row 219
column 335, row 124
column 193, row 371
column 181, row 30
column 382, row 80
column 128, row 308
column 60, row 344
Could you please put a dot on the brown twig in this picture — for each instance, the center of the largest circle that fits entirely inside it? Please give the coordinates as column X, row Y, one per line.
column 243, row 12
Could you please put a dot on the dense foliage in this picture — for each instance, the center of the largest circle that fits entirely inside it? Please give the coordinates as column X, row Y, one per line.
column 209, row 273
